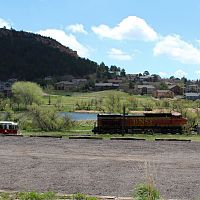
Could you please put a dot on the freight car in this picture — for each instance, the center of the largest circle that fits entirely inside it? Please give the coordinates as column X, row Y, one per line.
column 140, row 123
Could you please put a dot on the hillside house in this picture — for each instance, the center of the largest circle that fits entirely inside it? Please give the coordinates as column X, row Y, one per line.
column 106, row 86
column 145, row 89
column 192, row 88
column 79, row 82
column 163, row 94
column 192, row 96
column 177, row 90
column 115, row 81
column 64, row 85
column 132, row 77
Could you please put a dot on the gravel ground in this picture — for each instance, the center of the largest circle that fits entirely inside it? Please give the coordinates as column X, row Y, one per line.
column 99, row 167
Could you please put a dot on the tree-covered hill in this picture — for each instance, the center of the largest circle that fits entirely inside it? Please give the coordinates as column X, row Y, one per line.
column 28, row 56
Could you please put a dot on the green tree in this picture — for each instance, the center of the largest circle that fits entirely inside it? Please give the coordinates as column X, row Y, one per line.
column 146, row 73
column 123, row 72
column 113, row 103
column 26, row 93
column 163, row 86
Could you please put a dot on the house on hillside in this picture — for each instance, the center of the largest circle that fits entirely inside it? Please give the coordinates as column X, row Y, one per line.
column 64, row 85
column 106, row 86
column 194, row 88
column 145, row 89
column 132, row 77
column 163, row 94
column 115, row 81
column 192, row 96
column 48, row 78
column 79, row 82
column 176, row 89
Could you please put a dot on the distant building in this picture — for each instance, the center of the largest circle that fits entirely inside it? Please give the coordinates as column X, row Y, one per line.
column 192, row 88
column 115, row 81
column 145, row 89
column 176, row 89
column 48, row 78
column 106, row 86
column 132, row 77
column 192, row 96
column 64, row 85
column 163, row 94
column 79, row 82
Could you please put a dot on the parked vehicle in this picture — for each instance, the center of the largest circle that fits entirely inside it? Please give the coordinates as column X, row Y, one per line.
column 146, row 122
column 8, row 127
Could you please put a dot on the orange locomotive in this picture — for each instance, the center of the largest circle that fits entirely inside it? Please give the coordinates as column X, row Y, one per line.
column 140, row 123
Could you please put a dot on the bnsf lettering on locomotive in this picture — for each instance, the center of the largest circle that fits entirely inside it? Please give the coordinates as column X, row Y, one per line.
column 148, row 122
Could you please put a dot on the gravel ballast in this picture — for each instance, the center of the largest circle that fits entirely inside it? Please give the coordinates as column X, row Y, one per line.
column 99, row 167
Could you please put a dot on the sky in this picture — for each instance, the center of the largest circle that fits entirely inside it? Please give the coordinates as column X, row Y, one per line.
column 162, row 37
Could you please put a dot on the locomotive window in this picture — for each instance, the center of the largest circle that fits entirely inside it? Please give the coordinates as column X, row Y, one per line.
column 1, row 126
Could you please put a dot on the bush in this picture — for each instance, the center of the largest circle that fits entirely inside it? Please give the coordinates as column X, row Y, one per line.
column 48, row 119
column 146, row 192
column 36, row 196
column 80, row 196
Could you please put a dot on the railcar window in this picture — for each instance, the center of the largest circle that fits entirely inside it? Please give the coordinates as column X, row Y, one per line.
column 4, row 126
column 1, row 126
column 10, row 126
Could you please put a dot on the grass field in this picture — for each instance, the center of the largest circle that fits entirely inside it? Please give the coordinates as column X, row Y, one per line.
column 69, row 99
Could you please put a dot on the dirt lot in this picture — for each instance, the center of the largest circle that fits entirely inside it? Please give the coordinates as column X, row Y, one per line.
column 99, row 167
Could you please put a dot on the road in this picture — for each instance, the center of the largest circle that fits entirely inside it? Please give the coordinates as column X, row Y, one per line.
column 99, row 167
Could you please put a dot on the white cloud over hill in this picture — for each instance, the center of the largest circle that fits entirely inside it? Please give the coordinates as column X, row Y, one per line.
column 132, row 27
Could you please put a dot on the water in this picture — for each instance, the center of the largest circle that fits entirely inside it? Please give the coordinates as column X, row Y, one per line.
column 80, row 116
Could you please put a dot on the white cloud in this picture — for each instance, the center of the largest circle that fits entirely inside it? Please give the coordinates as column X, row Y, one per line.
column 132, row 27
column 118, row 54
column 163, row 74
column 197, row 72
column 174, row 47
column 66, row 40
column 77, row 28
column 4, row 23
column 180, row 73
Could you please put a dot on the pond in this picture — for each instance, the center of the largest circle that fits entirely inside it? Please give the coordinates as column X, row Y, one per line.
column 80, row 115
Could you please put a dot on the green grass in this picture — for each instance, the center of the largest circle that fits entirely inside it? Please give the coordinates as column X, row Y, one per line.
column 43, row 196
column 69, row 100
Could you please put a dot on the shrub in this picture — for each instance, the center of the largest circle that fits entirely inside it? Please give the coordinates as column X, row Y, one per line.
column 80, row 196
column 6, row 196
column 146, row 192
column 48, row 119
column 36, row 196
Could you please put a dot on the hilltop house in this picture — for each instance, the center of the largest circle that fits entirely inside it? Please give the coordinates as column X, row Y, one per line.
column 192, row 88
column 145, row 89
column 64, row 85
column 192, row 96
column 163, row 94
column 79, row 82
column 106, row 86
column 176, row 89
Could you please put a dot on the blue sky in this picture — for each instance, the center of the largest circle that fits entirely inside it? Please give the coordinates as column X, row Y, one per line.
column 162, row 37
